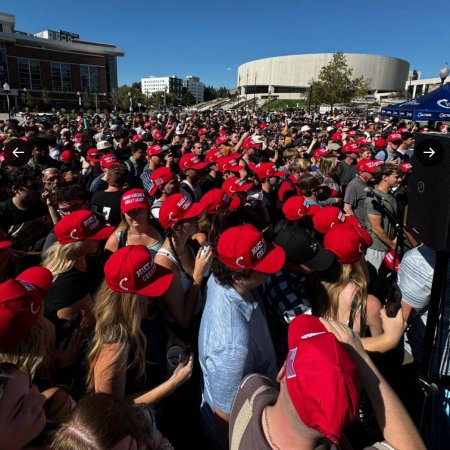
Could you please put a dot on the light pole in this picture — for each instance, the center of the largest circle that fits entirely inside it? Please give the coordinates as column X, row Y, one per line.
column 131, row 102
column 139, row 107
column 311, row 85
column 79, row 99
column 443, row 73
column 6, row 88
column 24, row 97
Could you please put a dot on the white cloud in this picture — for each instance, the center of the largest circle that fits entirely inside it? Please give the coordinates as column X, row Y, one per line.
column 229, row 69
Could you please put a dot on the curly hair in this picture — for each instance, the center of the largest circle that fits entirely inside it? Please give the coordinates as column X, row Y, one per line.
column 22, row 175
column 69, row 193
column 224, row 274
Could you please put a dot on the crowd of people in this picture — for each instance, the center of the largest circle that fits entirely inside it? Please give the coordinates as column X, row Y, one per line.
column 214, row 280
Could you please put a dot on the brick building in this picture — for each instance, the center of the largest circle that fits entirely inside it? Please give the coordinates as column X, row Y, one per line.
column 54, row 68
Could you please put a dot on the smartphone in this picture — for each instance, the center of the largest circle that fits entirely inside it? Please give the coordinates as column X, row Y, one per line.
column 394, row 300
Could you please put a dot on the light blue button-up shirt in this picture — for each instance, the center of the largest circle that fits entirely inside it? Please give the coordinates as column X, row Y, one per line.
column 234, row 341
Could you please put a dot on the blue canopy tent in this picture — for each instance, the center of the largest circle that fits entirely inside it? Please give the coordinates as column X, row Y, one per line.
column 433, row 106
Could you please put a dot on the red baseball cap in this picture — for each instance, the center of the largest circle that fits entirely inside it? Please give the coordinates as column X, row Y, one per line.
column 296, row 207
column 395, row 137
column 20, row 303
column 154, row 150
column 202, row 131
column 244, row 247
column 131, row 269
column 380, row 143
column 321, row 378
column 362, row 141
column 351, row 133
column 250, row 143
column 320, row 152
column 328, row 216
column 223, row 132
column 346, row 243
column 94, row 155
column 79, row 136
column 68, row 156
column 351, row 147
column 337, row 136
column 108, row 160
column 178, row 207
column 216, row 201
column 159, row 177
column 230, row 163
column 405, row 166
column 4, row 240
column 191, row 161
column 79, row 226
column 137, row 137
column 262, row 125
column 222, row 140
column 213, row 155
column 368, row 165
column 266, row 169
column 133, row 199
column 233, row 185
column 389, row 260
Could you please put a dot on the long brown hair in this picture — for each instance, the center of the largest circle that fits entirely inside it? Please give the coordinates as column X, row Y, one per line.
column 328, row 286
column 118, row 320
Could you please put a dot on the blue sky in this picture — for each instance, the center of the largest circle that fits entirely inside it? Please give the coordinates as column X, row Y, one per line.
column 211, row 39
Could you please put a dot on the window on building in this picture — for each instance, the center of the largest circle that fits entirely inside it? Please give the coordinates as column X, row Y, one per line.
column 89, row 78
column 61, row 77
column 29, row 73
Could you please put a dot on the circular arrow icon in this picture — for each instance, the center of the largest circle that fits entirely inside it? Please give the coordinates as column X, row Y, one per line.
column 17, row 152
column 429, row 152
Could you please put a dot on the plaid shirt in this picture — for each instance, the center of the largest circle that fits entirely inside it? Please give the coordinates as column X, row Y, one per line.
column 284, row 298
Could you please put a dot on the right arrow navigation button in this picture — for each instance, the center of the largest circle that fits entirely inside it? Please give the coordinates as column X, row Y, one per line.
column 429, row 152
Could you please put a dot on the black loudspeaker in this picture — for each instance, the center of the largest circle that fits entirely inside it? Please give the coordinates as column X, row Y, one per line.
column 429, row 191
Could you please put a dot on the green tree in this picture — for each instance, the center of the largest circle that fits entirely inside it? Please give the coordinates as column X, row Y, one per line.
column 87, row 101
column 222, row 92
column 336, row 85
column 45, row 98
column 210, row 93
column 188, row 99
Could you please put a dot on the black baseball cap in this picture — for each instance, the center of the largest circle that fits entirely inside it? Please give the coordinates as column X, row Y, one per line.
column 301, row 248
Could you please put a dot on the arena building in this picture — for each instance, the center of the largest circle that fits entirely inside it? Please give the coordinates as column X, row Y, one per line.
column 291, row 77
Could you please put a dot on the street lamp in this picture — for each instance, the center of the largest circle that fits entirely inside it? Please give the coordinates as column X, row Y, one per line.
column 443, row 73
column 24, row 97
column 79, row 99
column 139, row 107
column 6, row 88
column 311, row 85
column 131, row 102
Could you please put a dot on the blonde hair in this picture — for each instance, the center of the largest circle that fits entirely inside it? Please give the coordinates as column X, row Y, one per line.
column 329, row 286
column 327, row 164
column 118, row 320
column 301, row 165
column 60, row 258
column 33, row 353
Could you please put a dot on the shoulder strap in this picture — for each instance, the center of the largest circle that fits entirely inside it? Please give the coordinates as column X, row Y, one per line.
column 123, row 238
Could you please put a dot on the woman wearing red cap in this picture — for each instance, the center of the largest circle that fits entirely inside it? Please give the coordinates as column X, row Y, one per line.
column 75, row 275
column 136, row 227
column 178, row 215
column 341, row 291
column 127, row 354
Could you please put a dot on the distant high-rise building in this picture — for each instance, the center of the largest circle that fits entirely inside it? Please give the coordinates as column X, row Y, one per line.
column 170, row 85
column 195, row 87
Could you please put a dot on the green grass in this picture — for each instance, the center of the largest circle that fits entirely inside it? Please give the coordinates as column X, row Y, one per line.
column 276, row 105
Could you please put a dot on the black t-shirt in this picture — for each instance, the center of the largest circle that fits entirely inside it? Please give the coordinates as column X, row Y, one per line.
column 11, row 215
column 71, row 286
column 25, row 227
column 107, row 204
column 208, row 182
